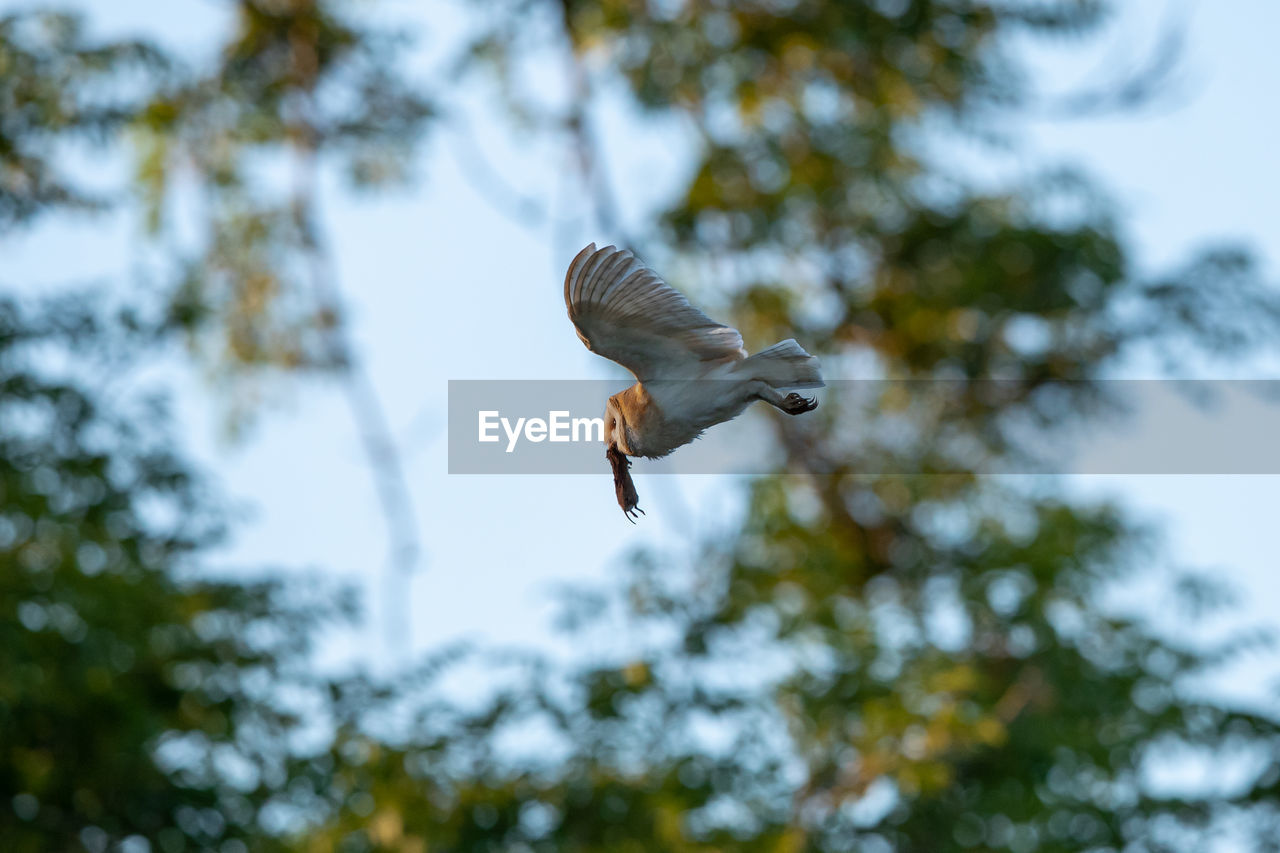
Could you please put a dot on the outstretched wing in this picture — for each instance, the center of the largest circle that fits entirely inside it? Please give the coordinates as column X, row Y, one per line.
column 624, row 312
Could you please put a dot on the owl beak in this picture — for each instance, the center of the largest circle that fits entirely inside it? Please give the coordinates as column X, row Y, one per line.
column 622, row 484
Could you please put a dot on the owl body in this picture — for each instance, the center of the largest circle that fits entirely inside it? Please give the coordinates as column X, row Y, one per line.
column 692, row 372
column 653, row 418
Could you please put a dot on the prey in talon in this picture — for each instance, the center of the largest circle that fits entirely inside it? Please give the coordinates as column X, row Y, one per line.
column 622, row 482
column 691, row 372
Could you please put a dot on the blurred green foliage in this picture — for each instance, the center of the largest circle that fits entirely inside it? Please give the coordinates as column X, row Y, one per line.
column 872, row 663
column 140, row 697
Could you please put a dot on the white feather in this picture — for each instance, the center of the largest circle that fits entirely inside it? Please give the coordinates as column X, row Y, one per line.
column 623, row 311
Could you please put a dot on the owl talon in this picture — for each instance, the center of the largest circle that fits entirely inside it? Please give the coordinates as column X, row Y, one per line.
column 794, row 404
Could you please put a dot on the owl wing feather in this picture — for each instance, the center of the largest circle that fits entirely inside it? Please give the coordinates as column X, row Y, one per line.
column 623, row 311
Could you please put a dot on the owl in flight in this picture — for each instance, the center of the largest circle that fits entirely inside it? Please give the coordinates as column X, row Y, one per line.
column 692, row 372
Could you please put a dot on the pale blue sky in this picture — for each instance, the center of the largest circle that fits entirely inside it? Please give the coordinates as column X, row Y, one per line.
column 444, row 287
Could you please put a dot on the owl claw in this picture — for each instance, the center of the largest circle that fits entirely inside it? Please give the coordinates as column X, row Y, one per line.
column 794, row 404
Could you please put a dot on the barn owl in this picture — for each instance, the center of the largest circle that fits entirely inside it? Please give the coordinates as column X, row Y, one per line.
column 692, row 372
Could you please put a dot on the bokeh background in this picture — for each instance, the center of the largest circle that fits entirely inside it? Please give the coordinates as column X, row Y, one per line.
column 244, row 245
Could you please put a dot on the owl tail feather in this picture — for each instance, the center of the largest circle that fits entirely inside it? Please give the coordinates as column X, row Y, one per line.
column 783, row 365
